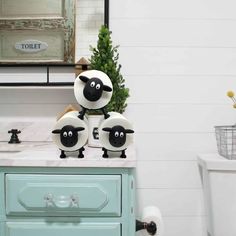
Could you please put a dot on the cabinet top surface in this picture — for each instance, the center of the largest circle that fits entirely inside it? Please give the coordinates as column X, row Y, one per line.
column 46, row 154
column 213, row 161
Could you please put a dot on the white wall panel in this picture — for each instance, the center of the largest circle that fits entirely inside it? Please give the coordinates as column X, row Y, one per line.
column 169, row 118
column 200, row 9
column 173, row 32
column 172, row 202
column 194, row 226
column 177, row 61
column 180, row 89
column 173, row 146
column 168, row 174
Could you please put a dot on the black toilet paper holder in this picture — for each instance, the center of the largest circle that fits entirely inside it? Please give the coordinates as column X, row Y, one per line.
column 150, row 227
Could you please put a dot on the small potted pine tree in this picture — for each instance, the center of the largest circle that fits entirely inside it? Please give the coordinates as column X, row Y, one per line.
column 105, row 58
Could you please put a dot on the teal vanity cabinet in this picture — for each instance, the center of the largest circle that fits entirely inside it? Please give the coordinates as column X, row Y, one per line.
column 54, row 197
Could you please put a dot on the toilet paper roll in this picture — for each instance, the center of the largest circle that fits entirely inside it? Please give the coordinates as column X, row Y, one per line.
column 79, row 88
column 114, row 119
column 152, row 213
column 71, row 118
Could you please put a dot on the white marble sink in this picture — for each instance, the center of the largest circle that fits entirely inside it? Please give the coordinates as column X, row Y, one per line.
column 9, row 151
column 5, row 147
column 47, row 154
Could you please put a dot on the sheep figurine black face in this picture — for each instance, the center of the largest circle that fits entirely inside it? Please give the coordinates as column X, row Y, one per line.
column 117, row 135
column 68, row 135
column 69, row 138
column 93, row 90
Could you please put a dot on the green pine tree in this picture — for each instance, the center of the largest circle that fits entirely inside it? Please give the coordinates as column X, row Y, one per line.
column 105, row 58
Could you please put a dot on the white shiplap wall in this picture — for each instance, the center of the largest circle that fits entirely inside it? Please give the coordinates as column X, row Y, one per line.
column 178, row 59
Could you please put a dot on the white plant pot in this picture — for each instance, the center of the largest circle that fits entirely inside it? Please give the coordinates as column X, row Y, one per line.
column 93, row 129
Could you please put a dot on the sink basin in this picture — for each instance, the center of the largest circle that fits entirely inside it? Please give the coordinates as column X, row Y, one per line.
column 5, row 147
column 9, row 151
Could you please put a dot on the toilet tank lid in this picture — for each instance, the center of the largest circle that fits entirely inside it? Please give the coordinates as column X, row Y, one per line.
column 215, row 162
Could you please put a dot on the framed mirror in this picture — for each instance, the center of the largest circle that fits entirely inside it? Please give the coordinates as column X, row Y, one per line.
column 49, row 31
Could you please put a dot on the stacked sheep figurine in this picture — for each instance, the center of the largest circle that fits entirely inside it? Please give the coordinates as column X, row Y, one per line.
column 93, row 90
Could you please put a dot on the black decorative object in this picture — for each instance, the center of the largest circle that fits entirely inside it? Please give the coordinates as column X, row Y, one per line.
column 14, row 136
column 93, row 88
column 93, row 91
column 117, row 138
column 69, row 138
column 115, row 134
column 150, row 227
column 70, row 134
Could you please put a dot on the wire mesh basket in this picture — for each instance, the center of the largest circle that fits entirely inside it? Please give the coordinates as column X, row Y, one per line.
column 226, row 141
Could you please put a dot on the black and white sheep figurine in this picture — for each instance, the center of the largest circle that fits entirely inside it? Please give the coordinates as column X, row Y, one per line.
column 70, row 134
column 93, row 90
column 117, row 138
column 115, row 134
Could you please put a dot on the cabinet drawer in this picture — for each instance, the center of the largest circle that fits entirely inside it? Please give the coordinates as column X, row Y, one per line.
column 63, row 195
column 62, row 229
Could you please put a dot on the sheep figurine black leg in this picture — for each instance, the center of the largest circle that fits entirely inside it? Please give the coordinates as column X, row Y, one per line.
column 105, row 154
column 123, row 154
column 63, row 155
column 82, row 113
column 81, row 155
column 105, row 113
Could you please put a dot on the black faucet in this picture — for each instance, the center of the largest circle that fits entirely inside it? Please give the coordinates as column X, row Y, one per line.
column 14, row 137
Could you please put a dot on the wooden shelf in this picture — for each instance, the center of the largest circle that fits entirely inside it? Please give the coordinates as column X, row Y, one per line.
column 69, row 87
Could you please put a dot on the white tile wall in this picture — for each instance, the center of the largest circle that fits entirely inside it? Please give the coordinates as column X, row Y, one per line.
column 178, row 59
column 89, row 18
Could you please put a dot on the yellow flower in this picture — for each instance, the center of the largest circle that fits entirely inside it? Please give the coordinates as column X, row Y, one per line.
column 230, row 94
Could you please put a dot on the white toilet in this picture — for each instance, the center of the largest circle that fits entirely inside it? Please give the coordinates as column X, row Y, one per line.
column 219, row 186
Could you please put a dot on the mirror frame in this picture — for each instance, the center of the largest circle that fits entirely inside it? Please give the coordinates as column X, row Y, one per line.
column 6, row 64
column 48, row 65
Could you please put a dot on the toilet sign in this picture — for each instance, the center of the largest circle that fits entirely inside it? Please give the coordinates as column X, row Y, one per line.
column 31, row 46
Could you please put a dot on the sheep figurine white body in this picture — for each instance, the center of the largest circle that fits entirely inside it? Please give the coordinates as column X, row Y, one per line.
column 92, row 90
column 70, row 133
column 115, row 134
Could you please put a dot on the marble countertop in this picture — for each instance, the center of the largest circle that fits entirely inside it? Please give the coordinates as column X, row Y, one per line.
column 46, row 154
